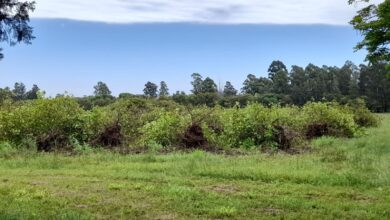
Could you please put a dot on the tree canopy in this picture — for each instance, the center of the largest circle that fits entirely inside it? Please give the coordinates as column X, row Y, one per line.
column 101, row 89
column 373, row 22
column 164, row 91
column 229, row 89
column 150, row 90
column 14, row 22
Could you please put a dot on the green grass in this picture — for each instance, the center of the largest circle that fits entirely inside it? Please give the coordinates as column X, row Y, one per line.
column 340, row 179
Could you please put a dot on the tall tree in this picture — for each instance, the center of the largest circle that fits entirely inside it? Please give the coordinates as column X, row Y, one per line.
column 254, row 85
column 264, row 85
column 5, row 94
column 250, row 85
column 331, row 83
column 209, row 86
column 14, row 19
column 354, row 85
column 229, row 89
column 275, row 67
column 164, row 91
column 33, row 93
column 299, row 84
column 316, row 85
column 101, row 89
column 180, row 97
column 281, row 82
column 197, row 81
column 374, row 85
column 150, row 90
column 19, row 91
column 373, row 22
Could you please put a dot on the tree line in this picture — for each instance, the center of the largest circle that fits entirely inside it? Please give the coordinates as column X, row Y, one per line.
column 296, row 86
column 20, row 93
column 299, row 86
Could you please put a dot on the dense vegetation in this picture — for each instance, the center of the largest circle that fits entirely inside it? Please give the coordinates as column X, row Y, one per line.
column 338, row 179
column 278, row 112
column 130, row 123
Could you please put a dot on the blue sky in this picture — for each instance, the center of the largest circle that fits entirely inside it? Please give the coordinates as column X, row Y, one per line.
column 71, row 53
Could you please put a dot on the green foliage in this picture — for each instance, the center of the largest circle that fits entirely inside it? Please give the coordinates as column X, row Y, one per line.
column 163, row 91
column 14, row 20
column 81, row 149
column 373, row 22
column 90, row 102
column 340, row 179
column 253, row 85
column 133, row 113
column 362, row 116
column 7, row 150
column 150, row 90
column 242, row 124
column 40, row 117
column 94, row 122
column 229, row 89
column 209, row 86
column 163, row 122
column 208, row 99
column 339, row 119
column 101, row 89
column 375, row 87
column 165, row 130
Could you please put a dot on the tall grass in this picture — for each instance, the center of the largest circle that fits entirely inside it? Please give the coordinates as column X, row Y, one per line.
column 339, row 179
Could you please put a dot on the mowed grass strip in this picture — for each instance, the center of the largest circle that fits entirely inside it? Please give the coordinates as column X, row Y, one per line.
column 339, row 179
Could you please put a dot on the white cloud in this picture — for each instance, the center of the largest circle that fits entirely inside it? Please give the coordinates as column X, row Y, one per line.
column 336, row 12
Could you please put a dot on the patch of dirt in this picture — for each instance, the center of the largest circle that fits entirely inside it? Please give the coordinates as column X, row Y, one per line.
column 317, row 130
column 110, row 137
column 82, row 206
column 38, row 183
column 52, row 141
column 357, row 197
column 300, row 150
column 313, row 195
column 166, row 217
column 224, row 189
column 272, row 211
column 194, row 137
column 284, row 136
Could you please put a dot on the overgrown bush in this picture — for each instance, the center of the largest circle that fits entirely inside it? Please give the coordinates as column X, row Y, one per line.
column 166, row 130
column 333, row 119
column 133, row 113
column 362, row 116
column 39, row 118
column 94, row 122
column 251, row 124
column 54, row 124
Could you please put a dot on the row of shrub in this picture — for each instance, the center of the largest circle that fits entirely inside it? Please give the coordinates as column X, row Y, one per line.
column 56, row 124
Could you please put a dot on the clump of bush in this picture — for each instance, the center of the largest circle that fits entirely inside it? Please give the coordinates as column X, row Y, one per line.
column 328, row 119
column 244, row 126
column 362, row 116
column 166, row 130
column 49, row 120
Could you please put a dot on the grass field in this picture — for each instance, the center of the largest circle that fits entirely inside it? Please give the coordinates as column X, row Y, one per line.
column 339, row 179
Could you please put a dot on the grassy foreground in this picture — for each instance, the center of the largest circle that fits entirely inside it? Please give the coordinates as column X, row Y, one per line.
column 340, row 179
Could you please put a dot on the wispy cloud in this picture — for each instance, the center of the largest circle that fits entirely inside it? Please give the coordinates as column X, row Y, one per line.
column 336, row 12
